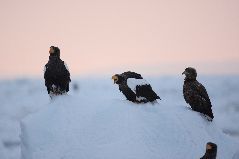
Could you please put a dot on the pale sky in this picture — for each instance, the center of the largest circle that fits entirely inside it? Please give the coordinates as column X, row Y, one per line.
column 153, row 37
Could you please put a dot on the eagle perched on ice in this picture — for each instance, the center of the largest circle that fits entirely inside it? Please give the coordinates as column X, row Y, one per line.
column 135, row 88
column 195, row 94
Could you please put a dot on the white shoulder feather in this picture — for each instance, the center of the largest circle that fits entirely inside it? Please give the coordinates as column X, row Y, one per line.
column 44, row 70
column 132, row 83
column 66, row 66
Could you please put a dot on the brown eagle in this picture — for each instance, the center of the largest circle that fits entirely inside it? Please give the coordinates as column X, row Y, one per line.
column 195, row 94
column 135, row 88
column 211, row 151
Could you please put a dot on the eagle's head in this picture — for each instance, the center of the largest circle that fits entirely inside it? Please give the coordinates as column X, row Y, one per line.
column 190, row 73
column 118, row 79
column 211, row 148
column 55, row 51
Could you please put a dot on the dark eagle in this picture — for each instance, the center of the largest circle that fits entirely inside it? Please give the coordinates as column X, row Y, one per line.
column 211, row 151
column 195, row 94
column 56, row 74
column 135, row 88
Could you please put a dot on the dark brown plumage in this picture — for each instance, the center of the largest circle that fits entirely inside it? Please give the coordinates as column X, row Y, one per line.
column 195, row 93
column 211, row 151
column 135, row 88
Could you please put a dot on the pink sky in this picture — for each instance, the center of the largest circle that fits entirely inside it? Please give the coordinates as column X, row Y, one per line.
column 151, row 37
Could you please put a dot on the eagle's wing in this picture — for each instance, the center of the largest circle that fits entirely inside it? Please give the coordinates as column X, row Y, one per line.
column 146, row 92
column 203, row 93
column 142, row 89
column 196, row 95
column 130, row 74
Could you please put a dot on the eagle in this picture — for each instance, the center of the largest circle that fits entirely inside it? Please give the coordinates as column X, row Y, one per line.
column 211, row 151
column 195, row 94
column 56, row 74
column 135, row 88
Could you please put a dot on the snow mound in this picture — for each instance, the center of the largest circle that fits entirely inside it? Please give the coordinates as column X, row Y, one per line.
column 73, row 127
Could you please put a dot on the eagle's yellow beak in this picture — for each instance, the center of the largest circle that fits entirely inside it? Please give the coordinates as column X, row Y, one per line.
column 115, row 78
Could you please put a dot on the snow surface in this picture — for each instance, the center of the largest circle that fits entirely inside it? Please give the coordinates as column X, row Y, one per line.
column 95, row 120
column 75, row 127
